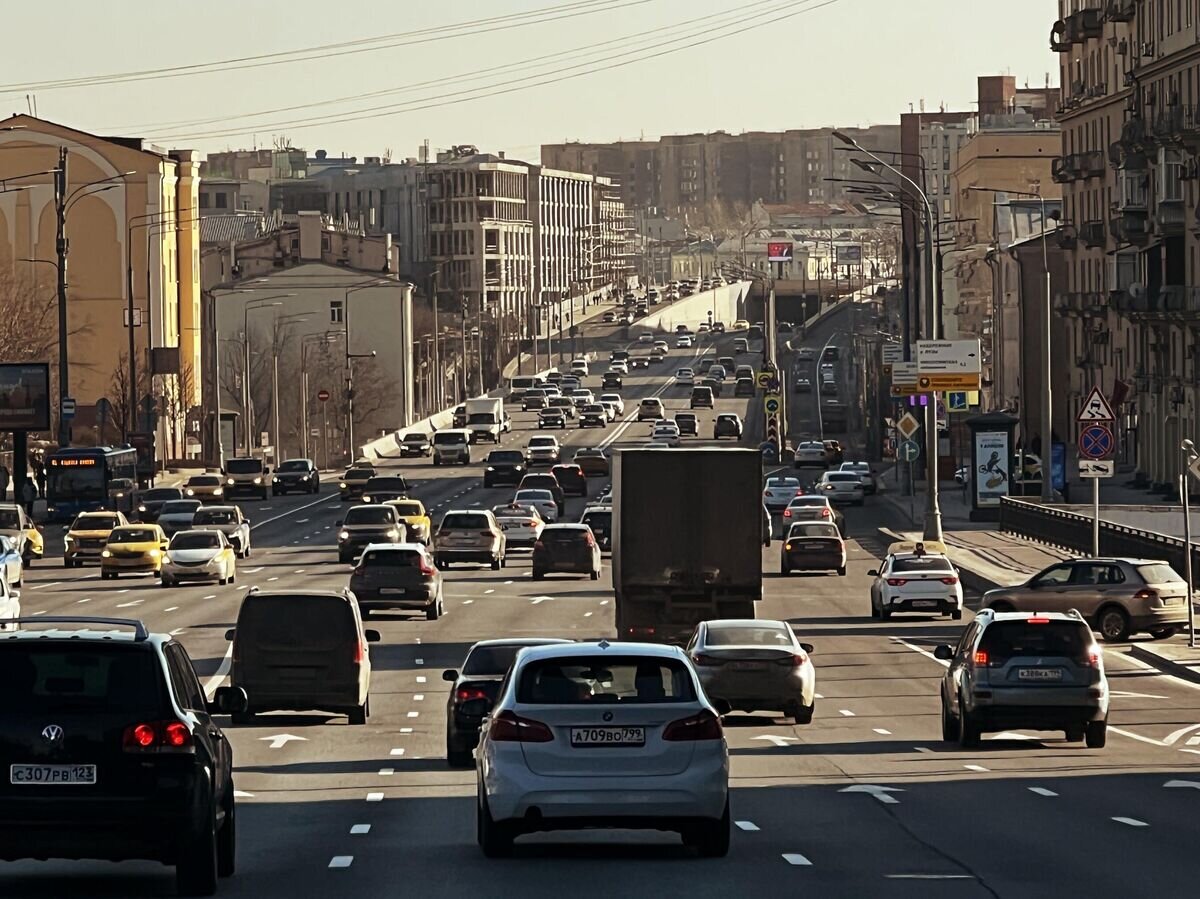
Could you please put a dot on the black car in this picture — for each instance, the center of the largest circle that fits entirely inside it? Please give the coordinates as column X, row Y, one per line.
column 611, row 381
column 383, row 487
column 744, row 387
column 567, row 548
column 397, row 577
column 571, row 478
column 687, row 423
column 483, row 670
column 296, row 475
column 112, row 752
column 150, row 502
column 545, row 481
column 593, row 416
column 504, row 467
column 415, row 443
column 599, row 519
column 718, row 327
column 551, row 418
column 727, row 424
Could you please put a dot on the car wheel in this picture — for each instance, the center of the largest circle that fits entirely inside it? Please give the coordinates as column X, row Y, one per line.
column 496, row 564
column 434, row 612
column 956, row 615
column 1075, row 734
column 242, row 719
column 803, row 714
column 874, row 610
column 842, row 571
column 227, row 841
column 1113, row 624
column 884, row 613
column 359, row 714
column 595, row 575
column 457, row 758
column 711, row 838
column 538, row 575
column 1159, row 633
column 165, row 582
column 949, row 725
column 968, row 729
column 1097, row 734
column 496, row 840
column 785, row 569
column 196, row 869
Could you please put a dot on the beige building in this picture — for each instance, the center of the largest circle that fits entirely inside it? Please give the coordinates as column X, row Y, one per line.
column 131, row 224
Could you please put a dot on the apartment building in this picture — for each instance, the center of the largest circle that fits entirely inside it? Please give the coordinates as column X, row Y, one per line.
column 1130, row 116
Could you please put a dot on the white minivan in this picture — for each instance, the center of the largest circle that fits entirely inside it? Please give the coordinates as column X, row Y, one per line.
column 518, row 385
column 452, row 445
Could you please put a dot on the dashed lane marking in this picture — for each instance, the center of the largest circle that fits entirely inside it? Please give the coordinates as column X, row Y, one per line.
column 341, row 861
column 795, row 858
column 467, row 602
column 40, row 612
column 419, row 697
column 486, row 592
column 1042, row 791
column 975, row 767
column 255, row 570
column 360, row 829
column 413, row 714
column 1132, row 822
column 211, row 596
column 419, row 661
column 386, row 772
column 82, row 601
column 882, row 732
column 126, row 605
column 846, row 712
column 421, row 678
column 929, row 876
column 374, row 797
column 272, row 579
column 399, row 750
column 406, row 730
column 746, row 825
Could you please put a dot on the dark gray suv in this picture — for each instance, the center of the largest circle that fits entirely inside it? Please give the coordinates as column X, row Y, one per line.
column 1024, row 670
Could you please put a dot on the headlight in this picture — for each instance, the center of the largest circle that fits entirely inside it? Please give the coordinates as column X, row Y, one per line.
column 106, row 554
column 304, row 477
column 218, row 492
column 191, row 492
column 341, row 485
column 489, row 468
column 366, row 499
column 229, row 482
column 274, row 480
column 343, row 535
column 68, row 539
column 154, row 553
column 393, row 533
column 258, row 480
column 141, row 508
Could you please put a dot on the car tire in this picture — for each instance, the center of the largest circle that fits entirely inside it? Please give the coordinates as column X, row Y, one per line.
column 359, row 714
column 874, row 610
column 1159, row 633
column 711, row 838
column 968, row 729
column 803, row 714
column 595, row 575
column 434, row 612
column 1075, row 734
column 956, row 615
column 495, row 564
column 842, row 571
column 227, row 841
column 884, row 613
column 242, row 719
column 784, row 569
column 458, row 758
column 949, row 725
column 1113, row 624
column 496, row 840
column 196, row 868
column 165, row 582
column 1097, row 734
column 538, row 575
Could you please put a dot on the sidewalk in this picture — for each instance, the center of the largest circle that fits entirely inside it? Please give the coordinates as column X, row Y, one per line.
column 1171, row 658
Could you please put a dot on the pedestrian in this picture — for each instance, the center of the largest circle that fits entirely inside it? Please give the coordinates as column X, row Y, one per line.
column 28, row 495
column 4, row 479
column 39, row 472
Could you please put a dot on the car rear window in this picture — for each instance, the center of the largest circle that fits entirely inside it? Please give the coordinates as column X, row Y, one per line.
column 844, row 477
column 926, row 563
column 57, row 678
column 370, row 515
column 1006, row 639
column 390, row 558
column 408, row 508
column 507, row 457
column 378, row 483
column 455, row 438
column 555, row 534
column 747, row 635
column 294, row 622
column 243, row 466
column 1159, row 573
column 603, row 679
column 783, row 482
column 294, row 465
column 359, row 474
column 415, row 437
column 601, row 521
column 465, row 521
column 810, row 501
column 813, row 529
column 542, row 442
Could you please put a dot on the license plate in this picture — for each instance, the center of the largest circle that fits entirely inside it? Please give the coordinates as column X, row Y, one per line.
column 924, row 604
column 392, row 590
column 747, row 666
column 1172, row 600
column 1039, row 674
column 814, row 546
column 52, row 774
column 608, row 736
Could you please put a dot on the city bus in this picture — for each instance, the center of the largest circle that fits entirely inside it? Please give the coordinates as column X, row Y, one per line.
column 78, row 478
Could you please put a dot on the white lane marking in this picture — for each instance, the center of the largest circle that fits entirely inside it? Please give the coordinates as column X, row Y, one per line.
column 1010, row 735
column 924, row 652
column 1174, row 736
column 816, row 695
column 254, row 570
column 1042, row 791
column 290, row 512
column 776, row 741
column 386, row 772
column 922, row 749
column 178, row 631
column 210, row 685
column 374, row 797
column 882, row 731
column 419, row 661
column 846, row 712
column 746, row 825
column 272, row 579
column 211, row 596
column 301, row 521
column 341, row 861
column 1132, row 822
column 360, row 828
column 418, row 697
column 975, row 767
column 929, row 876
column 298, row 571
column 171, row 609
column 242, row 794
column 126, row 605
column 795, row 858
column 508, row 583
column 486, row 592
column 126, row 590
column 278, row 741
column 1133, row 736
column 467, row 602
column 421, row 678
column 541, row 599
column 1124, row 694
column 587, row 614
column 406, row 730
column 40, row 612
column 413, row 714
column 1193, row 751
column 875, row 790
column 399, row 750
column 43, row 586
column 604, row 602
column 82, row 601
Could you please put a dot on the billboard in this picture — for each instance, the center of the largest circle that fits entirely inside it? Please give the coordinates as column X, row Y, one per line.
column 24, row 396
column 780, row 251
column 991, row 464
column 849, row 255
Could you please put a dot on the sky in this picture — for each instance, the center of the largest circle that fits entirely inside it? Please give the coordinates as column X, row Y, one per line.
column 549, row 70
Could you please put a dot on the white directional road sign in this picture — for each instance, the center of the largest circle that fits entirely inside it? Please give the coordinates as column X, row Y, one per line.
column 893, row 353
column 948, row 356
column 904, row 373
column 1097, row 468
column 1095, row 408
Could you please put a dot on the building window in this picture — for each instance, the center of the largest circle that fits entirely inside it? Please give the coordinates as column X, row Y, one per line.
column 203, row 201
column 222, row 200
column 337, row 314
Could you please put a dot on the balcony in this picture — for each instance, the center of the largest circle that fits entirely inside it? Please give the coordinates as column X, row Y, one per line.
column 1067, row 304
column 1130, row 228
column 1060, row 40
column 1067, row 238
column 1092, row 234
column 1120, row 10
column 1062, row 169
column 1180, row 301
column 1089, row 164
column 1085, row 25
column 1170, row 218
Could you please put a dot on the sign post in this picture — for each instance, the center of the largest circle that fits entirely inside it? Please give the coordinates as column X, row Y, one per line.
column 1193, row 465
column 1097, row 450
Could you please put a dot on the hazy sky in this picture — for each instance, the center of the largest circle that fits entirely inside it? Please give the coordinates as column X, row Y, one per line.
column 837, row 62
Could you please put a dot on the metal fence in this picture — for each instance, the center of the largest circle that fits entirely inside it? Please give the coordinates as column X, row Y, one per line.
column 1072, row 531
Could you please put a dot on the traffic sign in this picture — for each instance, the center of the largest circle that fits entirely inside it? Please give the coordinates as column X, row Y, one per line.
column 908, row 390
column 904, row 373
column 893, row 353
column 323, row 395
column 765, row 378
column 771, row 403
column 1095, row 408
column 910, row 451
column 956, row 401
column 949, row 381
column 1097, row 468
column 1096, row 441
column 908, row 425
column 947, row 356
column 68, row 407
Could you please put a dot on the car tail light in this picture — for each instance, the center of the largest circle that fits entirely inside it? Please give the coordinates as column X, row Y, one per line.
column 949, row 580
column 642, row 631
column 981, row 658
column 796, row 660
column 897, row 581
column 591, row 541
column 787, row 513
column 799, row 493
column 466, row 694
column 766, row 493
column 704, row 726
column 427, row 569
column 825, row 513
column 1092, row 658
column 358, row 652
column 1146, row 593
column 1037, row 620
column 702, row 659
column 508, row 727
column 157, row 736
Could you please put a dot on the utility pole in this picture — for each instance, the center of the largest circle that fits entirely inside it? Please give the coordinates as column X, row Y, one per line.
column 61, row 248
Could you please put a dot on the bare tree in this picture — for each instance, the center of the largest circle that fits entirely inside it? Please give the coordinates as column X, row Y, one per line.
column 118, row 394
column 29, row 325
column 177, row 395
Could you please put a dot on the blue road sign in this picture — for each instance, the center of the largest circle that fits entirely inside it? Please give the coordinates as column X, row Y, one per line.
column 956, row 401
column 910, row 451
column 1096, row 441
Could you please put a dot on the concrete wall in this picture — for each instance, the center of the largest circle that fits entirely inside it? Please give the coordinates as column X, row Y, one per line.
column 727, row 303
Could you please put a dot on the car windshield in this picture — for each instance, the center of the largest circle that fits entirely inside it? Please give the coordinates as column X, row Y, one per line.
column 370, row 515
column 1159, row 573
column 294, row 465
column 195, row 540
column 465, row 521
column 1003, row 640
column 243, row 466
column 491, row 660
column 507, row 457
column 133, row 535
column 159, row 494
column 450, row 438
column 728, row 419
column 812, row 529
column 415, row 437
column 215, row 516
column 747, row 635
column 378, row 483
column 181, row 507
column 96, row 523
column 605, row 679
column 358, row 474
column 542, row 442
column 204, row 481
column 408, row 509
column 924, row 563
column 85, row 678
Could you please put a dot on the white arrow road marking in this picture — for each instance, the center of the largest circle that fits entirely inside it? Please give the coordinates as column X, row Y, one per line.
column 846, row 712
column 975, row 767
column 877, row 791
column 746, row 825
column 278, row 741
column 1183, row 731
column 795, row 858
column 360, row 828
column 1132, row 822
column 540, row 599
column 777, row 741
column 1042, row 791
column 1186, row 784
column 341, row 861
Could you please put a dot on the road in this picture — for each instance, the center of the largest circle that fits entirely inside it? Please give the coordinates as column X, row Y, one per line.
column 864, row 802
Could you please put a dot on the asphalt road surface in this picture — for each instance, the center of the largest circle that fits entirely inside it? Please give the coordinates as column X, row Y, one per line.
column 864, row 802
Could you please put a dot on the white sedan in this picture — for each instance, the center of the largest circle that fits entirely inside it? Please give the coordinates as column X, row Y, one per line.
column 615, row 399
column 619, row 365
column 914, row 579
column 811, row 452
column 666, row 432
column 685, row 377
column 842, row 487
column 10, row 605
column 646, row 337
column 683, row 342
column 542, row 500
column 571, row 716
column 781, row 491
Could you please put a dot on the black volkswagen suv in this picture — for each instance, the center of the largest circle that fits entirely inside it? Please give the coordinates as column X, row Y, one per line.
column 111, row 750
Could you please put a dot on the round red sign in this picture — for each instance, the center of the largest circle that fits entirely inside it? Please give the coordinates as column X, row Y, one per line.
column 322, row 395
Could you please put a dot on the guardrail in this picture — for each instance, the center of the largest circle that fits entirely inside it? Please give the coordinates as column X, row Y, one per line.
column 1070, row 530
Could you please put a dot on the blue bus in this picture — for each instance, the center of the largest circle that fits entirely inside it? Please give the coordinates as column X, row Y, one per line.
column 78, row 478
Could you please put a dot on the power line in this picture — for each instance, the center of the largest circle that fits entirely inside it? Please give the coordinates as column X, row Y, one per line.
column 469, row 28
column 455, row 98
column 604, row 46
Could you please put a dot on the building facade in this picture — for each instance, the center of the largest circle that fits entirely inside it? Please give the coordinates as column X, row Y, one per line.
column 1131, row 130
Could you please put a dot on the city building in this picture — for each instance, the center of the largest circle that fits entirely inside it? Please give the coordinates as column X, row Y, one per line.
column 1129, row 174
column 131, row 226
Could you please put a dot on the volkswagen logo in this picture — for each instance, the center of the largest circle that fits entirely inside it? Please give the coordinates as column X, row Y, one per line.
column 52, row 733
column 607, row 716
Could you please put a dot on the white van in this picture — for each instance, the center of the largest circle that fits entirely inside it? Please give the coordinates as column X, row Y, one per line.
column 518, row 385
column 452, row 445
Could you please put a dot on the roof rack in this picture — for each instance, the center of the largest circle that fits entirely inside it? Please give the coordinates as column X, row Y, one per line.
column 139, row 628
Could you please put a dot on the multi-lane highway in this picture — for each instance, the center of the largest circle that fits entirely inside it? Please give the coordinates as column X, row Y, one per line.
column 866, row 801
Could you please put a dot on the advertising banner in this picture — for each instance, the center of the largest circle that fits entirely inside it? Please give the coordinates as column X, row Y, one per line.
column 24, row 396
column 991, row 467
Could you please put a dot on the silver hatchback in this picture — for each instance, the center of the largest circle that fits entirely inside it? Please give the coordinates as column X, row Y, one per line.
column 469, row 535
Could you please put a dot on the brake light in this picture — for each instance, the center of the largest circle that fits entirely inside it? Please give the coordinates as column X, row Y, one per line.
column 796, row 660
column 1093, row 658
column 825, row 513
column 897, row 581
column 1037, row 620
column 426, row 568
column 508, row 727
column 1146, row 593
column 787, row 513
column 157, row 736
column 645, row 631
column 591, row 541
column 703, row 726
column 766, row 493
column 358, row 652
column 701, row 659
column 981, row 658
column 466, row 694
column 949, row 580
column 799, row 493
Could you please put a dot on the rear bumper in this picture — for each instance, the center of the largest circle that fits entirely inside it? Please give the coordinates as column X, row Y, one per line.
column 814, row 561
column 115, row 564
column 467, row 555
column 329, row 697
column 412, row 598
column 1031, row 708
column 943, row 605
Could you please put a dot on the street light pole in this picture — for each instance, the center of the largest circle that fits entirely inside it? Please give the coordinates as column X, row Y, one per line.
column 246, row 310
column 276, row 437
column 1189, row 457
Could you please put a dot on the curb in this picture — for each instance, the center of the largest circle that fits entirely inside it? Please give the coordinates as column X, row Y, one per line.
column 1165, row 665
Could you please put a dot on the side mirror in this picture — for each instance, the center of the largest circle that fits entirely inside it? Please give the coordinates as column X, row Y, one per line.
column 373, row 636
column 450, row 675
column 476, row 708
column 229, row 634
column 943, row 652
column 229, row 701
column 721, row 705
column 874, row 572
column 807, row 647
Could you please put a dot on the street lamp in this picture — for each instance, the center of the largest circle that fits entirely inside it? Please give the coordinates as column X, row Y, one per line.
column 933, row 511
column 264, row 303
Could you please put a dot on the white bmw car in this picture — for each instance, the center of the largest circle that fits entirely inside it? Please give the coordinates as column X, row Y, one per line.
column 602, row 734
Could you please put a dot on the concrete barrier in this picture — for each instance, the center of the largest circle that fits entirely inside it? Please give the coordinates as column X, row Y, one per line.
column 727, row 303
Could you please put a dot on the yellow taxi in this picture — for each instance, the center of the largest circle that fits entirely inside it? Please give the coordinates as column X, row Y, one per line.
column 416, row 519
column 133, row 548
column 207, row 488
column 18, row 527
column 88, row 535
column 741, row 325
